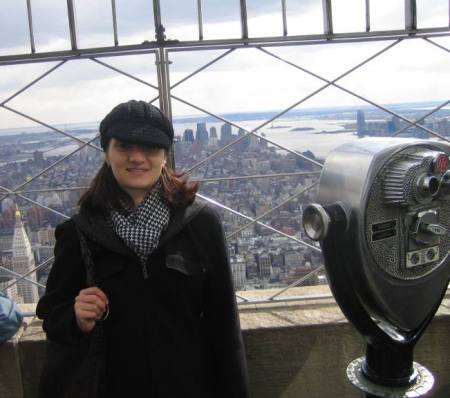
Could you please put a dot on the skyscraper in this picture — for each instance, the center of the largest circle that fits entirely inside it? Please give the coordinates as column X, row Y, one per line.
column 360, row 123
column 226, row 136
column 212, row 132
column 201, row 133
column 238, row 271
column 23, row 261
column 188, row 135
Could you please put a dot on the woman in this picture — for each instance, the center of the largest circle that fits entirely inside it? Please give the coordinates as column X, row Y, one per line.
column 164, row 293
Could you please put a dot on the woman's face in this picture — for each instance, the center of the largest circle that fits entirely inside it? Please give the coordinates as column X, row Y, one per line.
column 136, row 167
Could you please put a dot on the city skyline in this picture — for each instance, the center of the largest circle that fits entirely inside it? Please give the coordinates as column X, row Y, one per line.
column 264, row 255
column 238, row 116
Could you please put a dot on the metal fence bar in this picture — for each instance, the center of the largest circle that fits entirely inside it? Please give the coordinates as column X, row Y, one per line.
column 220, row 44
column 202, row 68
column 42, row 265
column 48, row 190
column 283, row 11
column 162, row 66
column 303, row 297
column 203, row 180
column 367, row 15
column 106, row 65
column 327, row 17
column 410, row 15
column 34, row 202
column 156, row 13
column 218, row 204
column 200, row 19
column 271, row 210
column 159, row 28
column 244, row 21
column 411, row 123
column 160, row 80
column 52, row 128
column 298, row 282
column 19, row 275
column 49, row 167
column 30, row 26
column 257, row 176
column 437, row 44
column 114, row 18
column 72, row 24
column 32, row 83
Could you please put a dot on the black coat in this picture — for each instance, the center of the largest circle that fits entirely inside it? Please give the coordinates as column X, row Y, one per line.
column 175, row 334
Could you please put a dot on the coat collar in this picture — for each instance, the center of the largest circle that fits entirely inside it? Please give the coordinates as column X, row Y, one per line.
column 96, row 228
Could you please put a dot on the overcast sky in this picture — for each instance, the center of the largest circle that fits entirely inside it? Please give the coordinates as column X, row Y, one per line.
column 246, row 80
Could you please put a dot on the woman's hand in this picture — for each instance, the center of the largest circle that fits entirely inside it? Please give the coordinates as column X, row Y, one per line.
column 90, row 305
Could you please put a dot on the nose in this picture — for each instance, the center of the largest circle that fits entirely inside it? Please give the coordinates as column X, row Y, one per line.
column 136, row 154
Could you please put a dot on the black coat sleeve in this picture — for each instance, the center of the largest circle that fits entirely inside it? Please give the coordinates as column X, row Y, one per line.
column 66, row 278
column 221, row 313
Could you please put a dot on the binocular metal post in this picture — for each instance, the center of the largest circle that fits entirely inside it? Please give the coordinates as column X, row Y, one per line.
column 383, row 221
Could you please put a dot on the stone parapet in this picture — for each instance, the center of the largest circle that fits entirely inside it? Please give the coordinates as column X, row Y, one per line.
column 295, row 349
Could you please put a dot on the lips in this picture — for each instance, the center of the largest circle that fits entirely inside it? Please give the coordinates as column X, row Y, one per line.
column 136, row 170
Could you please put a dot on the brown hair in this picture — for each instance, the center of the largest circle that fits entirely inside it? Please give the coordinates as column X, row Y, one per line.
column 104, row 191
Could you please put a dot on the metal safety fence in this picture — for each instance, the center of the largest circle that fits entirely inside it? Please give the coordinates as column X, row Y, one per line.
column 162, row 49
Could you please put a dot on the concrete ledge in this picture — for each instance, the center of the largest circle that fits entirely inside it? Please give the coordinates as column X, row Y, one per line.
column 10, row 373
column 302, row 349
column 294, row 349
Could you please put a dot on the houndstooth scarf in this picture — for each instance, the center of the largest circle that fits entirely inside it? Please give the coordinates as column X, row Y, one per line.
column 143, row 226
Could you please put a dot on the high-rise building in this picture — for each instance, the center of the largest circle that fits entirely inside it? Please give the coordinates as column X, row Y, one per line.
column 38, row 158
column 265, row 265
column 5, row 280
column 201, row 133
column 393, row 125
column 23, row 261
column 226, row 135
column 238, row 270
column 46, row 235
column 213, row 142
column 188, row 135
column 360, row 123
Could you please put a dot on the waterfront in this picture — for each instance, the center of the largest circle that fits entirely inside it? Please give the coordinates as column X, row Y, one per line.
column 321, row 137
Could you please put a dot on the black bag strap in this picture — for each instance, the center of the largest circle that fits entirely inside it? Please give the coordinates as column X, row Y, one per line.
column 87, row 259
column 86, row 255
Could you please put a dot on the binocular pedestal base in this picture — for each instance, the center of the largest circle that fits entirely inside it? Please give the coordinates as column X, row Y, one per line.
column 422, row 384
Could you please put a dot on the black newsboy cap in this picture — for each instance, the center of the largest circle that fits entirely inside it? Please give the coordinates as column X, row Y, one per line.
column 137, row 122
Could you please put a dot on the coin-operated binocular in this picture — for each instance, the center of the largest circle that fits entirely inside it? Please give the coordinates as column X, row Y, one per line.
column 383, row 222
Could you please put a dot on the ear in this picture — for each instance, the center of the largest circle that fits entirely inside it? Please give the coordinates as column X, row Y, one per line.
column 106, row 159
